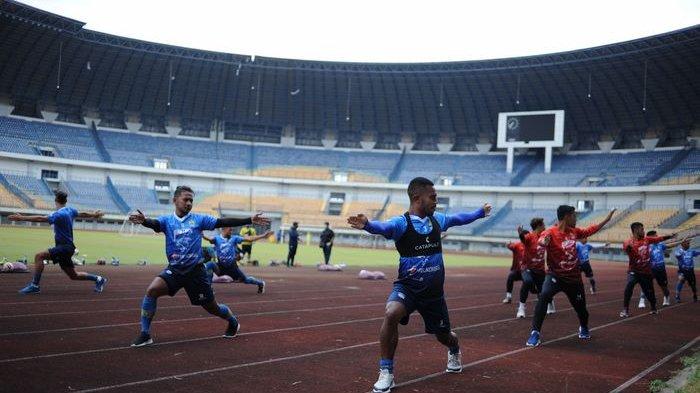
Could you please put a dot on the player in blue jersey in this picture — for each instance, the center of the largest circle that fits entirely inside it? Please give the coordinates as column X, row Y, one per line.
column 583, row 249
column 419, row 286
column 657, row 254
column 686, row 268
column 227, row 256
column 183, row 248
column 62, row 252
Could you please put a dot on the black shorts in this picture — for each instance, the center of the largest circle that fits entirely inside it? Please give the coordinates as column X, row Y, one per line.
column 247, row 248
column 232, row 271
column 587, row 269
column 195, row 282
column 433, row 310
column 660, row 276
column 688, row 275
column 62, row 255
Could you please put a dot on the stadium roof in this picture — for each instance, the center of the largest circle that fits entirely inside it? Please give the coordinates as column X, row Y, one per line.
column 49, row 61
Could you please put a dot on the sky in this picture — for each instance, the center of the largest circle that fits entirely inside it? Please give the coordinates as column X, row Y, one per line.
column 381, row 30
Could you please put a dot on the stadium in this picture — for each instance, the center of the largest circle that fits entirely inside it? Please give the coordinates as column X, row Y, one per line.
column 119, row 124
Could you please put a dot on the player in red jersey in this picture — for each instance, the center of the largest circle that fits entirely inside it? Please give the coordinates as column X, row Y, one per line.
column 639, row 272
column 518, row 251
column 564, row 273
column 533, row 273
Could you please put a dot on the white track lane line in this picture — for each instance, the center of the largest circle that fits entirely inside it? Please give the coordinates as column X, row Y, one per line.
column 275, row 312
column 99, row 350
column 296, row 357
column 523, row 349
column 137, row 309
column 144, row 290
column 654, row 366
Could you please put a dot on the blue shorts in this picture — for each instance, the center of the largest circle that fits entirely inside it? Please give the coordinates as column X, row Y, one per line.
column 195, row 282
column 62, row 255
column 433, row 310
column 232, row 271
column 659, row 275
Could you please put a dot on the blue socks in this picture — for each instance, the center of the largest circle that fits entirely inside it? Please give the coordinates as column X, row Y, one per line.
column 148, row 310
column 226, row 313
column 454, row 350
column 386, row 364
column 679, row 286
column 91, row 277
column 36, row 279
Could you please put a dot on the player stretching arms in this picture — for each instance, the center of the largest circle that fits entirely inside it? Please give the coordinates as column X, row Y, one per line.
column 227, row 253
column 533, row 271
column 564, row 274
column 657, row 255
column 583, row 250
column 686, row 269
column 183, row 248
column 637, row 249
column 419, row 286
column 62, row 253
column 518, row 251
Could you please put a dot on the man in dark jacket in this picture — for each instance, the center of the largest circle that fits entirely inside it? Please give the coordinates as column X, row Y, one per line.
column 293, row 242
column 327, row 243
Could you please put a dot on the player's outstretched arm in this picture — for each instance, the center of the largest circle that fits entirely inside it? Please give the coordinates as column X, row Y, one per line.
column 257, row 219
column 660, row 239
column 607, row 219
column 361, row 222
column 591, row 230
column 466, row 218
column 258, row 237
column 671, row 244
column 96, row 214
column 140, row 219
column 19, row 217
column 209, row 239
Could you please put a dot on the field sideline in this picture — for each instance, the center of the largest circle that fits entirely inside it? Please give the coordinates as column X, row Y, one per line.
column 16, row 242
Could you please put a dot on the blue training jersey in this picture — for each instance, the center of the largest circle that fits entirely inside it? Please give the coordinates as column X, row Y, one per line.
column 226, row 249
column 686, row 258
column 656, row 255
column 62, row 221
column 183, row 239
column 422, row 273
column 583, row 250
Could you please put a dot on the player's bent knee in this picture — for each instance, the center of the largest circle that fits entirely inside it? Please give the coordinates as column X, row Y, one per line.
column 394, row 314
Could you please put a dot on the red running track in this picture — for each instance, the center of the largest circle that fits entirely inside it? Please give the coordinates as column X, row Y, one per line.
column 317, row 331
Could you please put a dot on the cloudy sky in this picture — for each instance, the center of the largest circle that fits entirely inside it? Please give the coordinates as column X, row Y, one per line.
column 381, row 30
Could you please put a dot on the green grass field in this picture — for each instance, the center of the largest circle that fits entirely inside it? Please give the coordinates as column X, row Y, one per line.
column 16, row 242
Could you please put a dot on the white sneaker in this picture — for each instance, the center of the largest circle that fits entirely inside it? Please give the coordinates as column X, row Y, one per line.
column 642, row 304
column 384, row 383
column 454, row 362
column 667, row 301
column 521, row 311
column 550, row 308
column 624, row 314
column 508, row 298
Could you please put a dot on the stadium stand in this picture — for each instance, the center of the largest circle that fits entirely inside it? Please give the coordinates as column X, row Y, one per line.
column 598, row 169
column 9, row 199
column 651, row 218
column 141, row 198
column 691, row 223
